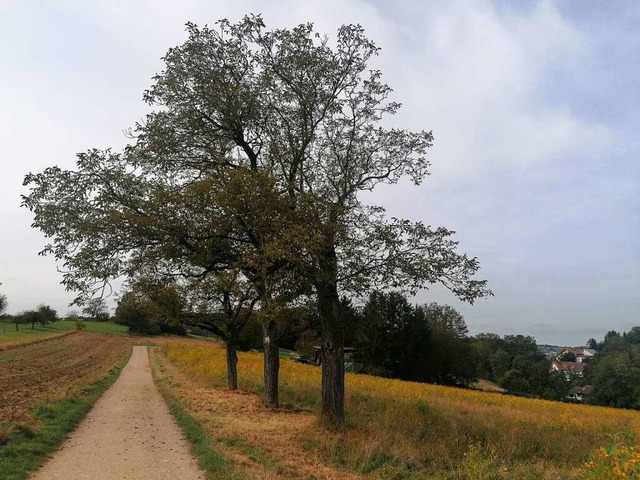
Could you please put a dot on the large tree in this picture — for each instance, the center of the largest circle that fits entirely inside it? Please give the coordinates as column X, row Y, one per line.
column 254, row 159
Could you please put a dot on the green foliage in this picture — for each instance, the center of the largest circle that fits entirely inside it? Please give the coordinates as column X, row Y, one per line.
column 615, row 370
column 514, row 363
column 304, row 345
column 567, row 357
column 223, row 304
column 427, row 343
column 255, row 159
column 152, row 307
column 3, row 302
column 451, row 358
column 46, row 315
column 616, row 378
column 391, row 337
column 618, row 460
column 96, row 309
column 632, row 337
column 250, row 338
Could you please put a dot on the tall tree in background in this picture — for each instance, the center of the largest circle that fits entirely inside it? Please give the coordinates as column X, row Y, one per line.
column 255, row 159
column 450, row 358
column 3, row 302
column 96, row 309
column 392, row 337
column 152, row 306
column 615, row 371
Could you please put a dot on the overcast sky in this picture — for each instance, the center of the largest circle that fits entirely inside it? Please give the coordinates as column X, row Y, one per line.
column 534, row 108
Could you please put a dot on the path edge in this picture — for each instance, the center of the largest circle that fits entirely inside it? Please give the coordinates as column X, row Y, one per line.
column 203, row 447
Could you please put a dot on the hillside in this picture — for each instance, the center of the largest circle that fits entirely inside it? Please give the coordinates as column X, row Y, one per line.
column 395, row 429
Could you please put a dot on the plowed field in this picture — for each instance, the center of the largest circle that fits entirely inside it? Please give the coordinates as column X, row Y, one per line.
column 54, row 367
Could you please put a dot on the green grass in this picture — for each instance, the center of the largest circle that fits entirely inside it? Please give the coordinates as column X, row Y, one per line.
column 100, row 327
column 24, row 448
column 8, row 334
column 285, row 353
column 215, row 465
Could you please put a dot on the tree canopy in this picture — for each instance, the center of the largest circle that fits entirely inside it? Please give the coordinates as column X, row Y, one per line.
column 615, row 370
column 254, row 159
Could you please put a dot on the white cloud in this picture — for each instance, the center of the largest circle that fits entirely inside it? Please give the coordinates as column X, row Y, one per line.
column 473, row 77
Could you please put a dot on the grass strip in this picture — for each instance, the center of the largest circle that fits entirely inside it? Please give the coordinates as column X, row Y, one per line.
column 26, row 447
column 203, row 446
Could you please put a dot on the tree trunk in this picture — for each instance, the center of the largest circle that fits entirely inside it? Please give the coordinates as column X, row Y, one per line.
column 232, row 366
column 271, row 363
column 332, row 351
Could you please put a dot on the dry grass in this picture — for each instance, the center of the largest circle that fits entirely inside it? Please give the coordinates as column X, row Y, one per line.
column 265, row 443
column 487, row 386
column 400, row 429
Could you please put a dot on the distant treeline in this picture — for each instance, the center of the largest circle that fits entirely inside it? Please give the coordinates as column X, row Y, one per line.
column 395, row 339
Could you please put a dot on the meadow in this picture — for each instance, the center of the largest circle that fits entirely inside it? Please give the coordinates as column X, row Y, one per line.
column 9, row 336
column 400, row 430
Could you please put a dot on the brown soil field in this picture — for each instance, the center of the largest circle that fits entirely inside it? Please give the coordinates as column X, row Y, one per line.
column 54, row 367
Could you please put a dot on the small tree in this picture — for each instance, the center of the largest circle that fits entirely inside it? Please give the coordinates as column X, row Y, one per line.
column 96, row 309
column 46, row 315
column 32, row 317
column 17, row 319
column 450, row 356
column 3, row 303
column 224, row 305
column 592, row 343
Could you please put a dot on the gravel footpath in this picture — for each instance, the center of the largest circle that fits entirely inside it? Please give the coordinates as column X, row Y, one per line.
column 129, row 434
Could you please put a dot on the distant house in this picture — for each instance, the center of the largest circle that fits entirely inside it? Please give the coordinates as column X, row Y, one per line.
column 580, row 394
column 570, row 370
column 582, row 355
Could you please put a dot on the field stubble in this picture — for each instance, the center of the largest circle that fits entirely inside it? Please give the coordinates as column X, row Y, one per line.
column 54, row 367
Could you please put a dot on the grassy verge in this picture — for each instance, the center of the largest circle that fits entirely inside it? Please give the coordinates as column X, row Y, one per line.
column 23, row 448
column 285, row 353
column 203, row 446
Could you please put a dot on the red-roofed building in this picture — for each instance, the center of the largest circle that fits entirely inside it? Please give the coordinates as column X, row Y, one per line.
column 580, row 394
column 569, row 369
column 581, row 354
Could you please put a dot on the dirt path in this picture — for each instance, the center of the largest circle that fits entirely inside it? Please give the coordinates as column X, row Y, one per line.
column 129, row 434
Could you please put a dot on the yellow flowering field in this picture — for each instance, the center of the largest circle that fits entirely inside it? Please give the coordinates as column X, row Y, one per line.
column 399, row 429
